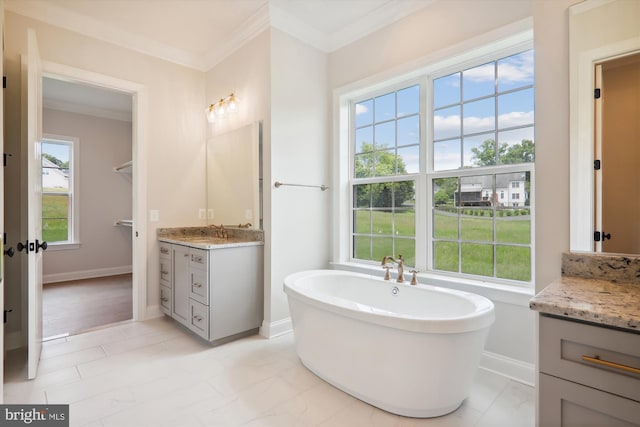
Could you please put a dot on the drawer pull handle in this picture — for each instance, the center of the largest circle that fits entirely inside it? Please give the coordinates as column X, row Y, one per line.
column 614, row 365
column 164, row 299
column 197, row 285
column 197, row 318
column 164, row 250
column 164, row 272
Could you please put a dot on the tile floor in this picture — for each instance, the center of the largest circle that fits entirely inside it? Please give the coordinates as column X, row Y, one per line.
column 154, row 373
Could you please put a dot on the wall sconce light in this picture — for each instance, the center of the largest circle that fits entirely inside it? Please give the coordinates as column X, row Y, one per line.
column 220, row 109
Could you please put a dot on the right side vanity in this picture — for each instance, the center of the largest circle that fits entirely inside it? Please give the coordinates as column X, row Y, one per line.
column 589, row 343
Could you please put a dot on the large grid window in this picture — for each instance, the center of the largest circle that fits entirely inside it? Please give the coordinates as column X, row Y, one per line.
column 386, row 151
column 478, row 146
column 57, row 191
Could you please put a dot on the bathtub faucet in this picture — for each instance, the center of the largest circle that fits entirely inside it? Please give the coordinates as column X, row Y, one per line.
column 399, row 262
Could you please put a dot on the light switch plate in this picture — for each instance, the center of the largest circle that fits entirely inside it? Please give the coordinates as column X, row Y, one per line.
column 154, row 215
column 202, row 214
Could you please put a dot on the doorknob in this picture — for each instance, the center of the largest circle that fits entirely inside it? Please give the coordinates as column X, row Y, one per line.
column 22, row 246
column 11, row 252
column 42, row 245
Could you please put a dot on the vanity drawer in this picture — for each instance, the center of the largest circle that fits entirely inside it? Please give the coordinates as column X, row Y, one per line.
column 165, row 299
column 199, row 290
column 165, row 271
column 198, row 258
column 165, row 250
column 598, row 357
column 199, row 322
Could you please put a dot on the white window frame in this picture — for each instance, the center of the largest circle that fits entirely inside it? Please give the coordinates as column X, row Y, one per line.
column 434, row 66
column 74, row 193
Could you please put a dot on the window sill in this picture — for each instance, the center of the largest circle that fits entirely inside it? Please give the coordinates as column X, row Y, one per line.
column 63, row 246
column 496, row 292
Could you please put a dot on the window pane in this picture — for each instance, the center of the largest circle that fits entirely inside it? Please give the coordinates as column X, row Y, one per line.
column 445, row 223
column 385, row 163
column 515, row 71
column 519, row 146
column 444, row 190
column 362, row 247
column 362, row 196
column 445, row 256
column 55, row 206
column 513, row 262
column 381, row 247
column 409, row 160
column 362, row 222
column 477, row 259
column 446, row 155
column 55, row 230
column 409, row 101
column 364, row 139
column 513, row 225
column 480, row 150
column 477, row 224
column 446, row 123
column 364, row 165
column 385, row 135
column 515, row 109
column 479, row 81
column 405, row 214
column 406, row 248
column 382, row 222
column 474, row 190
column 479, row 116
column 364, row 113
column 381, row 195
column 409, row 131
column 385, row 107
column 446, row 90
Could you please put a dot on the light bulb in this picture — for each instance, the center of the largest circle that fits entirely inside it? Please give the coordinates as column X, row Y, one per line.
column 210, row 112
column 221, row 108
column 232, row 104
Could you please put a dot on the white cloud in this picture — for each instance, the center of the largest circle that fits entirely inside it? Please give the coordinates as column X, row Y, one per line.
column 449, row 126
column 361, row 109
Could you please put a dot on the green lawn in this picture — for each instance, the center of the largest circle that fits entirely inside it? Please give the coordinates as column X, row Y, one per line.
column 55, row 210
column 470, row 256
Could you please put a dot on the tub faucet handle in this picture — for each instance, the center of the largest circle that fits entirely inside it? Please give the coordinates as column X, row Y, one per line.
column 414, row 278
column 386, row 274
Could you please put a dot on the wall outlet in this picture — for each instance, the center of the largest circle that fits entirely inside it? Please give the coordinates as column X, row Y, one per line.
column 202, row 214
column 210, row 214
column 154, row 215
column 248, row 214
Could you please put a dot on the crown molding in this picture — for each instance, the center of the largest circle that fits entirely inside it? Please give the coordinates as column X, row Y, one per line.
column 293, row 26
column 71, row 107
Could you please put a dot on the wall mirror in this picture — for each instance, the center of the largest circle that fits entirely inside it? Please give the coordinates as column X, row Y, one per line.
column 605, row 126
column 234, row 177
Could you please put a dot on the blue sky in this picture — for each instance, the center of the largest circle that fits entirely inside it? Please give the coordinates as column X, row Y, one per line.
column 60, row 151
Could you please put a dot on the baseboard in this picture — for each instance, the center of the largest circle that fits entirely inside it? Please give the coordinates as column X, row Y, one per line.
column 277, row 328
column 511, row 368
column 152, row 312
column 85, row 274
column 13, row 340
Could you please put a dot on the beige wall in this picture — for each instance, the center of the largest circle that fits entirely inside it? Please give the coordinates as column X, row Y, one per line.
column 104, row 195
column 175, row 135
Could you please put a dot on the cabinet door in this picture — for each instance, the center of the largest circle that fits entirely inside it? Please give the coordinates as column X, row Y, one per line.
column 165, row 299
column 199, row 289
column 199, row 319
column 566, row 404
column 181, row 284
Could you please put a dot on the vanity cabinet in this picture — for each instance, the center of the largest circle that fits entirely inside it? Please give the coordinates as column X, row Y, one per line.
column 588, row 375
column 215, row 293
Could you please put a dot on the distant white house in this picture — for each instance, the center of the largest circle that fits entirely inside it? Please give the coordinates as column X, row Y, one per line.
column 510, row 192
column 53, row 177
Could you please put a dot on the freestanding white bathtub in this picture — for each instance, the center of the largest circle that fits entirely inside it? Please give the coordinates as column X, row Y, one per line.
column 410, row 350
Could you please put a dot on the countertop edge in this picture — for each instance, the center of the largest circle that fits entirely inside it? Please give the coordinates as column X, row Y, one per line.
column 210, row 246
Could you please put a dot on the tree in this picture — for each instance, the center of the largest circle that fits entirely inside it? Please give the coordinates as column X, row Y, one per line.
column 56, row 161
column 485, row 155
column 381, row 163
column 445, row 192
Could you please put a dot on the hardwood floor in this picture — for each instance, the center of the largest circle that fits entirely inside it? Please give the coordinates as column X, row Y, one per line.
column 80, row 305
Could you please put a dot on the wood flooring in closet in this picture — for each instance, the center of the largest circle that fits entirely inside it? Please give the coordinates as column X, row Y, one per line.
column 80, row 305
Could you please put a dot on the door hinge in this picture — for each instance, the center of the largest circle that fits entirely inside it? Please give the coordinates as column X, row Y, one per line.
column 597, row 165
column 597, row 93
column 598, row 236
column 4, row 82
column 4, row 158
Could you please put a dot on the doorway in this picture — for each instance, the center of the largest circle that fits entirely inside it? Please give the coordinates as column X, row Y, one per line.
column 86, row 207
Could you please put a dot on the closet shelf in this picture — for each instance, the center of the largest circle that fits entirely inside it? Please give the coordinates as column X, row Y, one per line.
column 124, row 222
column 125, row 167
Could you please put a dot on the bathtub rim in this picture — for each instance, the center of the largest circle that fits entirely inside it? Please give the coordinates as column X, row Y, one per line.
column 483, row 317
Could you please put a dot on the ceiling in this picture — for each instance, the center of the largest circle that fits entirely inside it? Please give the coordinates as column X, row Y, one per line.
column 201, row 33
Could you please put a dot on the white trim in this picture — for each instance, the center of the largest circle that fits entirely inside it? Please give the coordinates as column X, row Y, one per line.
column 139, row 174
column 517, row 370
column 85, row 274
column 63, row 246
column 277, row 328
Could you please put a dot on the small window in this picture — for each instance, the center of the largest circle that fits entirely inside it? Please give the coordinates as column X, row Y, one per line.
column 58, row 191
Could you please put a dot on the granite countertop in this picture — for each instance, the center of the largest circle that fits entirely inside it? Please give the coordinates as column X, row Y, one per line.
column 592, row 293
column 205, row 237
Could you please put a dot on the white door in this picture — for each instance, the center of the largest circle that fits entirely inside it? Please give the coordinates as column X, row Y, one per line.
column 1, row 211
column 33, row 69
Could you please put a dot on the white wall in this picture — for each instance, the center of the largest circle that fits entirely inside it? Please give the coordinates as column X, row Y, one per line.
column 175, row 133
column 104, row 196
